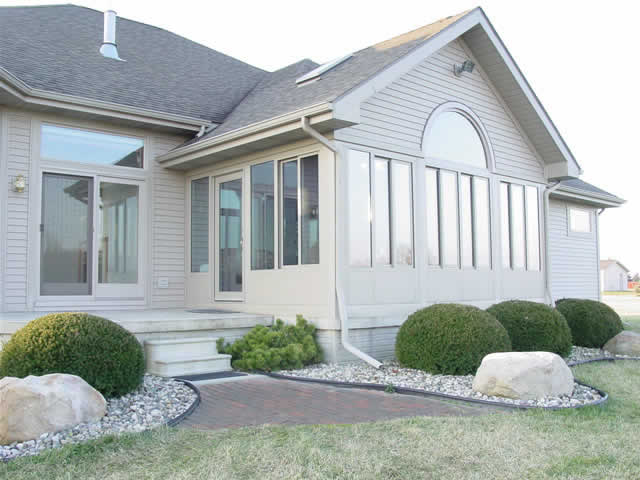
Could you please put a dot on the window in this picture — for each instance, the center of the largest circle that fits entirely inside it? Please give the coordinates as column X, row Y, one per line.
column 383, row 214
column 262, row 216
column 300, row 234
column 453, row 138
column 200, row 225
column 380, row 206
column 520, row 226
column 74, row 145
column 458, row 219
column 402, row 216
column 579, row 220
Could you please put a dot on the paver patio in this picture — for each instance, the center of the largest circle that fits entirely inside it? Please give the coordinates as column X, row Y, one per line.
column 263, row 400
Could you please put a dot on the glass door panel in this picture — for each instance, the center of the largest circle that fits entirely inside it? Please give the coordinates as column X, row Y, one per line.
column 66, row 235
column 118, row 239
column 229, row 237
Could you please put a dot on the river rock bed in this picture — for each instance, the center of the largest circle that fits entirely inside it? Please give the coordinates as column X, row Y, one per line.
column 393, row 375
column 154, row 403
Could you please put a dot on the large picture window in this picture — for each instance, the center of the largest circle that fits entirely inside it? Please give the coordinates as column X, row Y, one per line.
column 519, row 213
column 299, row 200
column 83, row 146
column 262, row 216
column 458, row 219
column 380, row 200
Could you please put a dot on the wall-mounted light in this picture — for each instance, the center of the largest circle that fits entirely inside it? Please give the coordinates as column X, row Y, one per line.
column 467, row 66
column 19, row 183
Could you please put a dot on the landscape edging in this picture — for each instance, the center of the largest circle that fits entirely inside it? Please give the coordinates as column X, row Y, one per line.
column 176, row 420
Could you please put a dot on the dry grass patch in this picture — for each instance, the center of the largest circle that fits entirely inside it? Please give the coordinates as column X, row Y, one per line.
column 593, row 442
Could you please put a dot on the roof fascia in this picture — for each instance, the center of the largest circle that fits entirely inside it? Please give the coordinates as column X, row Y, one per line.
column 603, row 201
column 243, row 135
column 33, row 96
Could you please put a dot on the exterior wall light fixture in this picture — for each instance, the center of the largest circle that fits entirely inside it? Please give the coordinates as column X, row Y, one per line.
column 467, row 66
column 19, row 183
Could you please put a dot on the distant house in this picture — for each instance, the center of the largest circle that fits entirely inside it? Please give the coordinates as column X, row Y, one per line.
column 613, row 275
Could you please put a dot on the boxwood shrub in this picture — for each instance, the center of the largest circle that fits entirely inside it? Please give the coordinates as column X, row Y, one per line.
column 449, row 339
column 533, row 326
column 101, row 352
column 274, row 348
column 592, row 323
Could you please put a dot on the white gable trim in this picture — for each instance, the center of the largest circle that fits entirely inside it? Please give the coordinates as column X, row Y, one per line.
column 348, row 104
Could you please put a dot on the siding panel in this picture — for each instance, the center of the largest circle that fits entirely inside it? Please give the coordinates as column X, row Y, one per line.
column 394, row 118
column 574, row 257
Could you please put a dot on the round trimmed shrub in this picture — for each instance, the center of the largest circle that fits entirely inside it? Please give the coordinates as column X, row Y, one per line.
column 592, row 323
column 101, row 352
column 450, row 339
column 533, row 326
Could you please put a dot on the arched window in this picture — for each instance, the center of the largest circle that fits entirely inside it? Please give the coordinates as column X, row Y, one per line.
column 453, row 138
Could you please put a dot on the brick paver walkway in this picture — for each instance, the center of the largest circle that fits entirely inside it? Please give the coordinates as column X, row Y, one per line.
column 264, row 400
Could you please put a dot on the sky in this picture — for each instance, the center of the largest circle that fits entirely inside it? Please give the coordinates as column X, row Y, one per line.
column 578, row 56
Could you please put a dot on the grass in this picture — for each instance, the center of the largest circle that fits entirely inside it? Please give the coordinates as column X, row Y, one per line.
column 632, row 322
column 588, row 443
column 621, row 292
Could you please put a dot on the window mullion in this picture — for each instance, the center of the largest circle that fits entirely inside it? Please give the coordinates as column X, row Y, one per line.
column 299, row 201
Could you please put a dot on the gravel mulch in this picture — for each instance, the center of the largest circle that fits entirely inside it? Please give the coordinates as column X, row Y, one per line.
column 391, row 373
column 154, row 403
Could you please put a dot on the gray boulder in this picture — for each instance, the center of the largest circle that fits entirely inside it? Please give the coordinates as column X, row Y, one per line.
column 523, row 375
column 625, row 343
column 33, row 405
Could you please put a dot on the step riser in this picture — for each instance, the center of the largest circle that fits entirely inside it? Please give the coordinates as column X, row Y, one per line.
column 190, row 368
column 181, row 350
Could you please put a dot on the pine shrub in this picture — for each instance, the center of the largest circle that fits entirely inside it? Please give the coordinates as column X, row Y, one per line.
column 278, row 347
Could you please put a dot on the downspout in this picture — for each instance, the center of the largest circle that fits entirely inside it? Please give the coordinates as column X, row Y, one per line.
column 600, row 286
column 547, row 259
column 342, row 311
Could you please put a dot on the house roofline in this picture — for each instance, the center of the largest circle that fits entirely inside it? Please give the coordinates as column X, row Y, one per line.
column 33, row 96
column 475, row 17
column 200, row 148
column 604, row 201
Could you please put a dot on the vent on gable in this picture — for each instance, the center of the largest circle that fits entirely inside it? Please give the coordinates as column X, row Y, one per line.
column 316, row 72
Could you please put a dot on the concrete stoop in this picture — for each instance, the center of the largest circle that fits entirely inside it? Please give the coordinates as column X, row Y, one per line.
column 185, row 356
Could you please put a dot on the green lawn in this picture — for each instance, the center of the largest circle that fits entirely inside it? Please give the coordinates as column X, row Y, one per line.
column 594, row 442
column 620, row 292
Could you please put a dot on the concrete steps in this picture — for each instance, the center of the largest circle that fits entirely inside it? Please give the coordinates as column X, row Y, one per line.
column 185, row 356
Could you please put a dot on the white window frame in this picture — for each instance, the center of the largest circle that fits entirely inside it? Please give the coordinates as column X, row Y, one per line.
column 571, row 231
column 462, row 169
column 133, row 294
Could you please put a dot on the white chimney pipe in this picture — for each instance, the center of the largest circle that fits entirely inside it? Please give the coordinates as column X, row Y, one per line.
column 109, row 48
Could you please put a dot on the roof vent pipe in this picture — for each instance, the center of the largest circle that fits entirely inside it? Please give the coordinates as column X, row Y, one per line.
column 109, row 48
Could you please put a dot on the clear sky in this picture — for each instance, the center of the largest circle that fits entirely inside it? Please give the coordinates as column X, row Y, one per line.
column 579, row 57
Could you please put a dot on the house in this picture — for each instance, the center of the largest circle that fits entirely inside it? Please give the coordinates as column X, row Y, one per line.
column 614, row 276
column 164, row 184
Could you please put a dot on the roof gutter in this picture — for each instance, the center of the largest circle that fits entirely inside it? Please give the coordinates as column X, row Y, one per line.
column 239, row 133
column 342, row 311
column 34, row 96
column 547, row 258
column 590, row 196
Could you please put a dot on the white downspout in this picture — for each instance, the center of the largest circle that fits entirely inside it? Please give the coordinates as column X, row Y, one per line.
column 342, row 311
column 547, row 257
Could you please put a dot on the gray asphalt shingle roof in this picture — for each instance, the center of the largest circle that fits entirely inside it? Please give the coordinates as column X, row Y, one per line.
column 278, row 92
column 56, row 48
column 578, row 184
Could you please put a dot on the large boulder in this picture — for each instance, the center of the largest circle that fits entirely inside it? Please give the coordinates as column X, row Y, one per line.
column 624, row 343
column 523, row 375
column 33, row 405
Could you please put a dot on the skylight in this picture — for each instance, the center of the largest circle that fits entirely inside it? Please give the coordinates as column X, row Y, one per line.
column 325, row 67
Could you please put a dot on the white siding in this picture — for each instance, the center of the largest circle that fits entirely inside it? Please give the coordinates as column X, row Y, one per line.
column 574, row 256
column 394, row 118
column 168, row 228
column 17, row 213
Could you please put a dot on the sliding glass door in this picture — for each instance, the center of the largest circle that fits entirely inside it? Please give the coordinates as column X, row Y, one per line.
column 90, row 237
